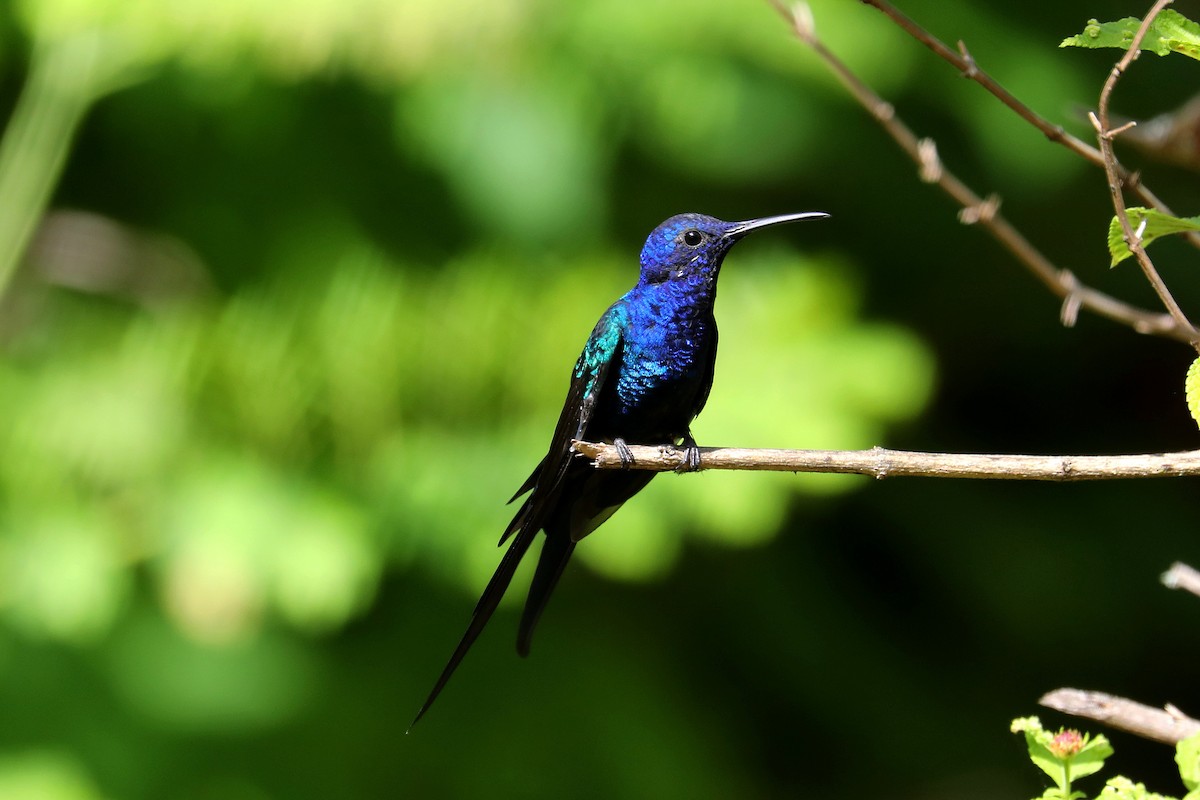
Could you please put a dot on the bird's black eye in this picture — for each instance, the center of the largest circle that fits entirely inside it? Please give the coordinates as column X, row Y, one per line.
column 692, row 238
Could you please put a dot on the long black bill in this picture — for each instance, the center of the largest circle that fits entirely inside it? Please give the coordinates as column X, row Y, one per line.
column 740, row 229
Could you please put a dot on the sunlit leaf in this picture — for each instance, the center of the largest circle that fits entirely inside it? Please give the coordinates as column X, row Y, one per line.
column 1187, row 755
column 1157, row 224
column 1065, row 756
column 1121, row 788
column 1170, row 32
column 1191, row 388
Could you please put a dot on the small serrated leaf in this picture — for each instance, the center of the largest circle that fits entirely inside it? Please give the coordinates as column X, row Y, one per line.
column 1191, row 390
column 1170, row 32
column 1157, row 224
column 1187, row 752
column 1121, row 788
column 1040, row 755
column 1098, row 34
column 1090, row 759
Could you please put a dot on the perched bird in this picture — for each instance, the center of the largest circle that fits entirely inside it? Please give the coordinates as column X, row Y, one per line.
column 642, row 378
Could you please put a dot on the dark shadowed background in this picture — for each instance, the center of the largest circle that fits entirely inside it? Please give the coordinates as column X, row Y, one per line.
column 300, row 318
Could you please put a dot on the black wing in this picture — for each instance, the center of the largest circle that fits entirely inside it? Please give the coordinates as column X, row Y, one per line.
column 588, row 380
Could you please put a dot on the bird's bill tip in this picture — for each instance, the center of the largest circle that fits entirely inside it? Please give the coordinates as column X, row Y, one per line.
column 742, row 228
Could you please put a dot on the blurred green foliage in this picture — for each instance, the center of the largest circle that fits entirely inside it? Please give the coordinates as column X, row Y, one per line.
column 300, row 290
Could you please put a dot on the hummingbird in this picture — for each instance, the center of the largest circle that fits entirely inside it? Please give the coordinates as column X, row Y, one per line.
column 643, row 376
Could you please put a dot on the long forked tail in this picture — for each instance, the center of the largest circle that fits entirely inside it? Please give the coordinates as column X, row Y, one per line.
column 556, row 552
column 483, row 611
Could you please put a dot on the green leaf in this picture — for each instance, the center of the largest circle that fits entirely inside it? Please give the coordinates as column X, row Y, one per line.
column 1037, row 741
column 1055, row 793
column 1187, row 752
column 1046, row 762
column 1157, row 224
column 1191, row 390
column 1121, row 788
column 1065, row 756
column 1090, row 757
column 1170, row 32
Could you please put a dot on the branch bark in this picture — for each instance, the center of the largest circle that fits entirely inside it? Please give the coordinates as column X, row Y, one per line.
column 1105, row 134
column 1181, row 576
column 966, row 64
column 881, row 463
column 1168, row 725
column 978, row 210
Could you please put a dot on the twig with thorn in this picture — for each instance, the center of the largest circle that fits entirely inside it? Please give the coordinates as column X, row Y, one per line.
column 965, row 63
column 1105, row 135
column 1061, row 282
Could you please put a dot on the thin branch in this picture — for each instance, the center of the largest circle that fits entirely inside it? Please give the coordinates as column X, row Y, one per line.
column 965, row 63
column 1061, row 282
column 881, row 463
column 1181, row 576
column 1168, row 725
column 1105, row 135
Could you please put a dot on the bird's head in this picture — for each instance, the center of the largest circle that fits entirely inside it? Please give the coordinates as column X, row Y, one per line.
column 691, row 246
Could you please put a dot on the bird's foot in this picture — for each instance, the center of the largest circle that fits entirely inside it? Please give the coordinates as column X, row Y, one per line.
column 623, row 453
column 691, row 456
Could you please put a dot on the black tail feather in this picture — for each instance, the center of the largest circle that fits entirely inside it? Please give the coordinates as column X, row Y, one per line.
column 483, row 612
column 556, row 552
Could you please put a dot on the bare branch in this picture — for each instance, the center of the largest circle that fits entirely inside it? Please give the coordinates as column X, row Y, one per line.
column 1061, row 282
column 879, row 462
column 1105, row 134
column 965, row 63
column 1181, row 576
column 1168, row 725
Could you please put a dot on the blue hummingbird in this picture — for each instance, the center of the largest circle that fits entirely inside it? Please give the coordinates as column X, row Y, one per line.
column 643, row 376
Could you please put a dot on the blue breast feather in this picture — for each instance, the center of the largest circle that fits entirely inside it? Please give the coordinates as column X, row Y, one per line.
column 667, row 339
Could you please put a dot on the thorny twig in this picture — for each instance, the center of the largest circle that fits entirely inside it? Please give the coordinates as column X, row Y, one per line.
column 1062, row 282
column 1105, row 134
column 965, row 63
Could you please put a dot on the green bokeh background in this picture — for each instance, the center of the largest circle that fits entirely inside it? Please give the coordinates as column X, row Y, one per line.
column 299, row 318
